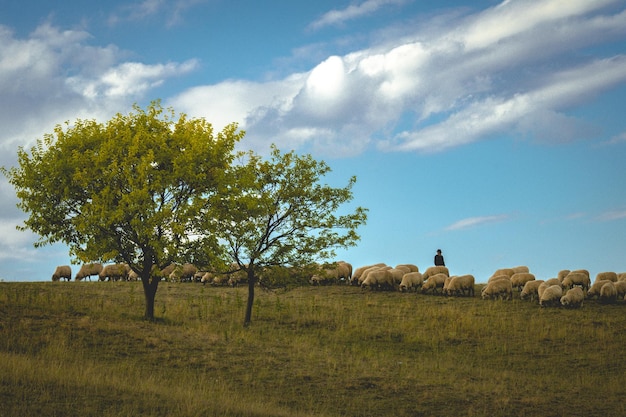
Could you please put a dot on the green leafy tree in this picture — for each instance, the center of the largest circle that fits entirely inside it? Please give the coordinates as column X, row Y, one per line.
column 128, row 191
column 276, row 212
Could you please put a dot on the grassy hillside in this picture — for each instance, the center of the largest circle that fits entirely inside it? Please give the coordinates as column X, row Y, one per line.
column 83, row 349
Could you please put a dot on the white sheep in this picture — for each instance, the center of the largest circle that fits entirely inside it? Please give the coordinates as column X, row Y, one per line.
column 397, row 274
column 609, row 275
column 573, row 298
column 551, row 296
column 498, row 277
column 434, row 270
column 460, row 285
column 519, row 279
column 378, row 279
column 500, row 288
column 357, row 273
column 433, row 283
column 369, row 270
column 183, row 273
column 207, row 278
column 594, row 289
column 620, row 287
column 547, row 283
column 88, row 270
column 521, row 268
column 114, row 272
column 62, row 271
column 608, row 293
column 411, row 280
column 412, row 267
column 503, row 271
column 576, row 278
column 562, row 274
column 530, row 290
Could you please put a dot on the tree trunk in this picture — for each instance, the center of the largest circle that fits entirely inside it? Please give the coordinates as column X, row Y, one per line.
column 251, row 279
column 150, row 285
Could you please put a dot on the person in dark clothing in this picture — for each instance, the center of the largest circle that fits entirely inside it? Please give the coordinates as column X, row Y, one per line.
column 439, row 259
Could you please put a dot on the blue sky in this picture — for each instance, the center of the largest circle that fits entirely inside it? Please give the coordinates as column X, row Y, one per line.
column 492, row 130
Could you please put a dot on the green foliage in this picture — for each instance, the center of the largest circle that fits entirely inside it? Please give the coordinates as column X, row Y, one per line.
column 124, row 189
column 276, row 212
column 128, row 190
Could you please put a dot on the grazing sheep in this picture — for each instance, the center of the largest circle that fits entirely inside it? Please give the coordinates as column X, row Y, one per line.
column 503, row 271
column 573, row 298
column 378, row 279
column 460, row 285
column 165, row 272
column 521, row 268
column 434, row 270
column 562, row 274
column 358, row 273
column 207, row 278
column 87, row 270
column 620, row 287
column 397, row 274
column 611, row 276
column 344, row 271
column 326, row 276
column 576, row 278
column 551, row 296
column 500, row 288
column 594, row 289
column 183, row 273
column 411, row 280
column 433, row 283
column 584, row 271
column 371, row 269
column 530, row 290
column 608, row 293
column 133, row 276
column 114, row 272
column 412, row 267
column 62, row 272
column 519, row 279
column 498, row 277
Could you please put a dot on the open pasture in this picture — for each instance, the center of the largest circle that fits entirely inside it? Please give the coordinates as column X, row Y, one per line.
column 83, row 349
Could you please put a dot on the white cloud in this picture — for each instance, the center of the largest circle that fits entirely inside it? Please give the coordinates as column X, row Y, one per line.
column 128, row 79
column 512, row 18
column 457, row 86
column 353, row 11
column 476, row 221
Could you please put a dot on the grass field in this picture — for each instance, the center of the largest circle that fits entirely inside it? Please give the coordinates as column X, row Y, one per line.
column 83, row 349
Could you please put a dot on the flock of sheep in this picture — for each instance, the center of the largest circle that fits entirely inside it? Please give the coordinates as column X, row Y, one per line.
column 568, row 289
column 123, row 272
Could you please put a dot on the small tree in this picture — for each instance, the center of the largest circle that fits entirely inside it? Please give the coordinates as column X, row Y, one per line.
column 275, row 212
column 129, row 190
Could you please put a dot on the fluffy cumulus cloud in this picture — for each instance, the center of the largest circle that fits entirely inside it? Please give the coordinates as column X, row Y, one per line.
column 510, row 68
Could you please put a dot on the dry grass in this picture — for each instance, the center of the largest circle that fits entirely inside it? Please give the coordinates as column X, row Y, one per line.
column 83, row 349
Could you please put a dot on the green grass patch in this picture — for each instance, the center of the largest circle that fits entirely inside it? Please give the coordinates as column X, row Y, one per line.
column 83, row 349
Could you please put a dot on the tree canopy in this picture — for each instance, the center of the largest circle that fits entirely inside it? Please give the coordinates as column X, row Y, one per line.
column 129, row 190
column 148, row 189
column 276, row 212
